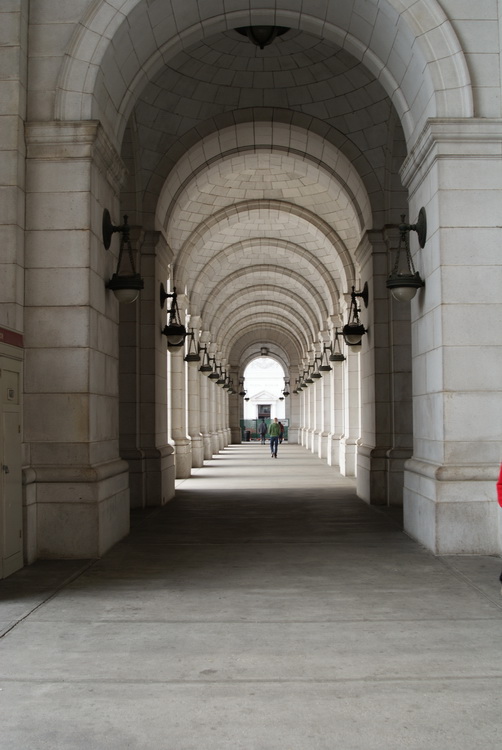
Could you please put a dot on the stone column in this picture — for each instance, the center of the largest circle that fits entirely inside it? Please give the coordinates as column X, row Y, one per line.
column 336, row 418
column 205, row 406
column 351, row 417
column 324, row 385
column 449, row 494
column 235, row 407
column 378, row 373
column 143, row 382
column 178, row 411
column 76, row 477
column 194, row 416
column 220, row 409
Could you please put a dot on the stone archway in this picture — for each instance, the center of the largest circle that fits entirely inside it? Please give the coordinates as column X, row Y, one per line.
column 395, row 90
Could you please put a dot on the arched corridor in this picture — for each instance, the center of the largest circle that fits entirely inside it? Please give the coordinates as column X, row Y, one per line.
column 189, row 183
column 266, row 607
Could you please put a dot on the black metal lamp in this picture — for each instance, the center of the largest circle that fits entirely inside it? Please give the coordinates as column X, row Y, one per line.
column 353, row 331
column 125, row 286
column 316, row 370
column 404, row 282
column 324, row 365
column 215, row 373
column 242, row 391
column 193, row 353
column 175, row 331
column 286, row 388
column 206, row 365
column 336, row 352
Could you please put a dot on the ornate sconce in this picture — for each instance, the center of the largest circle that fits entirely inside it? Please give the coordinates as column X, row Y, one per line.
column 175, row 331
column 193, row 353
column 206, row 364
column 404, row 282
column 125, row 286
column 215, row 373
column 286, row 387
column 353, row 330
column 242, row 390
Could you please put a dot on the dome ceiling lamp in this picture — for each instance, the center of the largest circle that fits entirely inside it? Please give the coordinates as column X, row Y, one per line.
column 174, row 331
column 403, row 283
column 353, row 331
column 125, row 286
column 262, row 36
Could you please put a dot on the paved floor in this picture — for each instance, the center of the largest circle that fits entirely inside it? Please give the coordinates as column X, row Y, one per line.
column 265, row 608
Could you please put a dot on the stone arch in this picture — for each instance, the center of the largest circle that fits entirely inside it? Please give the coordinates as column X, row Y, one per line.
column 423, row 69
column 344, row 264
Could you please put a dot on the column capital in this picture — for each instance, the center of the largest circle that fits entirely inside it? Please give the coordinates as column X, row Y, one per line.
column 451, row 138
column 86, row 140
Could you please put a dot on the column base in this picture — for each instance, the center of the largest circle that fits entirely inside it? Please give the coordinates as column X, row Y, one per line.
column 333, row 449
column 348, row 457
column 81, row 512
column 452, row 509
column 182, row 458
column 236, row 436
column 208, row 446
column 197, row 451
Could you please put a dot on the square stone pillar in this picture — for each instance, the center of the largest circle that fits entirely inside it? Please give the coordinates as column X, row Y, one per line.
column 74, row 473
column 235, row 407
column 449, row 498
column 150, row 363
column 193, row 400
column 386, row 419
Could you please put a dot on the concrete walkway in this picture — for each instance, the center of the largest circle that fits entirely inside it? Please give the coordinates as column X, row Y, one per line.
column 265, row 608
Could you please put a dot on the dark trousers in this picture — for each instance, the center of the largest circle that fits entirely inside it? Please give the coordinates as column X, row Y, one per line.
column 274, row 440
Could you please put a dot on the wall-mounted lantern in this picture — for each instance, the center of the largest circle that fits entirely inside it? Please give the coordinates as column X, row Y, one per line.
column 353, row 330
column 403, row 282
column 174, row 331
column 126, row 286
column 193, row 353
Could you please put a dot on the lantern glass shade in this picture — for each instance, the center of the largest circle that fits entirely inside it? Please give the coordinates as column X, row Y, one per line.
column 353, row 333
column 126, row 296
column 175, row 334
column 126, row 288
column 404, row 293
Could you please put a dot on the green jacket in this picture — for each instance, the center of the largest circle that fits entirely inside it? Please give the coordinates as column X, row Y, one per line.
column 274, row 430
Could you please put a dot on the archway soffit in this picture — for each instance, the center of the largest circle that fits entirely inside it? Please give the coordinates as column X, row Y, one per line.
column 85, row 61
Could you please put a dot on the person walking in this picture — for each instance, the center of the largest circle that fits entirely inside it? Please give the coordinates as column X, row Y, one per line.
column 281, row 434
column 274, row 432
column 262, row 430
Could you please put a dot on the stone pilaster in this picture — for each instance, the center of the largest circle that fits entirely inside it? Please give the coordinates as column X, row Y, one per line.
column 182, row 447
column 449, row 493
column 194, row 416
column 76, row 477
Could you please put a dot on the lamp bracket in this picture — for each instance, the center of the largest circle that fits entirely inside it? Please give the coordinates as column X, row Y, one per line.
column 108, row 229
column 165, row 295
column 420, row 227
column 363, row 294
